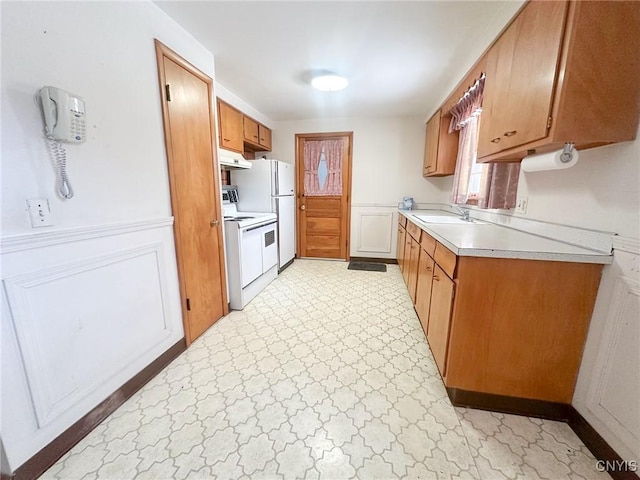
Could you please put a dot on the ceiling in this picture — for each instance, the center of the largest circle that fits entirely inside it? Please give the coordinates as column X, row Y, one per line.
column 401, row 58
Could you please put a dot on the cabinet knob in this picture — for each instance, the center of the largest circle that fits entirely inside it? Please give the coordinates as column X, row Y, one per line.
column 511, row 133
column 495, row 140
column 214, row 223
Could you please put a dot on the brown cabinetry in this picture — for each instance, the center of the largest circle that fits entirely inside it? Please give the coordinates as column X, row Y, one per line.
column 441, row 147
column 521, row 70
column 230, row 127
column 442, row 291
column 239, row 132
column 562, row 72
column 256, row 135
column 251, row 131
column 503, row 326
column 401, row 238
column 265, row 137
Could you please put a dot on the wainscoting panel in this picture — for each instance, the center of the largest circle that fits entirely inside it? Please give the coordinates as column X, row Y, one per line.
column 64, row 314
column 608, row 386
column 373, row 231
column 83, row 311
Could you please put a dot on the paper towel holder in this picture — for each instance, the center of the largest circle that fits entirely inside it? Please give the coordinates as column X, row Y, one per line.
column 567, row 152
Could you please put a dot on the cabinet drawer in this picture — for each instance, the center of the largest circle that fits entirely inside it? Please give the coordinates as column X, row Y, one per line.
column 428, row 243
column 446, row 259
column 402, row 220
column 414, row 230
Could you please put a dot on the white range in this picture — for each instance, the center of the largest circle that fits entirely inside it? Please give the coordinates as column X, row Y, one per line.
column 251, row 241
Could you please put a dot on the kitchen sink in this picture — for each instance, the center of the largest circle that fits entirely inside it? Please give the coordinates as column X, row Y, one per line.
column 443, row 219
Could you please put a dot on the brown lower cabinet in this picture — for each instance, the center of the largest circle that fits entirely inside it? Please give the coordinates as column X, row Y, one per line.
column 503, row 326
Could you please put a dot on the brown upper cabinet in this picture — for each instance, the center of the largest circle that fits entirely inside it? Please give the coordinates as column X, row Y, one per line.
column 562, row 72
column 251, row 131
column 265, row 137
column 230, row 127
column 441, row 147
column 239, row 132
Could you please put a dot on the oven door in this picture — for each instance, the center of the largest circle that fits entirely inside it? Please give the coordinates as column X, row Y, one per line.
column 250, row 254
column 269, row 246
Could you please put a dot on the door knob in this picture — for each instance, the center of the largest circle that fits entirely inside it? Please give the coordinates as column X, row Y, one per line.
column 214, row 223
column 303, row 207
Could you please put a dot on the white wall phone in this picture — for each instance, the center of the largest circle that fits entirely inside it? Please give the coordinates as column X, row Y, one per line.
column 64, row 117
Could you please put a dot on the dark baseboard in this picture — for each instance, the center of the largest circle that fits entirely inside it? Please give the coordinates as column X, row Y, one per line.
column 562, row 412
column 504, row 404
column 390, row 261
column 45, row 458
column 290, row 262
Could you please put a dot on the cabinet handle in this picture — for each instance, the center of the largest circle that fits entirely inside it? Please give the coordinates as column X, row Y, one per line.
column 255, row 136
column 226, row 139
column 214, row 223
column 436, row 278
column 511, row 133
column 496, row 140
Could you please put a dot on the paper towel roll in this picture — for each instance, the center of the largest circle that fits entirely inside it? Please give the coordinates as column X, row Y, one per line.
column 548, row 161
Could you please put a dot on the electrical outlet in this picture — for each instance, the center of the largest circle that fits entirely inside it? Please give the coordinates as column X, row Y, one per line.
column 521, row 205
column 39, row 212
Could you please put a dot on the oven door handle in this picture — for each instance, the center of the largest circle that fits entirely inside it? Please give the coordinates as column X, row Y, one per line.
column 260, row 226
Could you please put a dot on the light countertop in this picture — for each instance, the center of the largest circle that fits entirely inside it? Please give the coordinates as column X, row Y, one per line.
column 483, row 239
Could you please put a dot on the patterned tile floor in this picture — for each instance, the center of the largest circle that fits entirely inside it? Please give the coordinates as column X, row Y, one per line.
column 325, row 375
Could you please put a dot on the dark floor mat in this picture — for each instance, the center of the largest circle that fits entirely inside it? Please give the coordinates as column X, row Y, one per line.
column 368, row 266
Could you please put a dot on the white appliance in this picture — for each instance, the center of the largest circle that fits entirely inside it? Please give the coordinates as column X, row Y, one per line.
column 251, row 241
column 270, row 187
column 229, row 160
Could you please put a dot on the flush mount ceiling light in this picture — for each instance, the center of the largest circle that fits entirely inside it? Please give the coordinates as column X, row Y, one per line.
column 329, row 82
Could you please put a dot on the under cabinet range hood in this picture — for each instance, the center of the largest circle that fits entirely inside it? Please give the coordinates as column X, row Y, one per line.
column 231, row 160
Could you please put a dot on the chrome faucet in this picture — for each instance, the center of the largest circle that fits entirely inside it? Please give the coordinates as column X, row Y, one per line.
column 464, row 212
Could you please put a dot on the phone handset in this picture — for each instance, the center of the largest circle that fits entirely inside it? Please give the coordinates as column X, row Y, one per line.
column 64, row 117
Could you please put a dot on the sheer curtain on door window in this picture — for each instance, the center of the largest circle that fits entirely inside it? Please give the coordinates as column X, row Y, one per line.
column 323, row 167
column 492, row 185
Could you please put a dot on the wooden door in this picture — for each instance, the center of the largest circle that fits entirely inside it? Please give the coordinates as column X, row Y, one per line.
column 195, row 197
column 440, row 317
column 230, row 123
column 521, row 74
column 413, row 269
column 400, row 246
column 423, row 288
column 250, row 130
column 431, row 144
column 323, row 167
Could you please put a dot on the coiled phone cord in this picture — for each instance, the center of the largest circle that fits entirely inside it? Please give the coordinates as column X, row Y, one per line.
column 60, row 158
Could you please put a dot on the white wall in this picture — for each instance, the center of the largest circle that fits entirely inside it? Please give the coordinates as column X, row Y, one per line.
column 62, row 310
column 386, row 166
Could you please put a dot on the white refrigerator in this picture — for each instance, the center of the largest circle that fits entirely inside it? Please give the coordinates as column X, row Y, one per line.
column 269, row 186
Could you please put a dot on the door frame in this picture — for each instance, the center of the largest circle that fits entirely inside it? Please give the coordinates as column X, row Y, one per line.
column 300, row 138
column 161, row 52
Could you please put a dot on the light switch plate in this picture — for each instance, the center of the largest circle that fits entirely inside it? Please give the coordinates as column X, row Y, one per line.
column 521, row 205
column 39, row 212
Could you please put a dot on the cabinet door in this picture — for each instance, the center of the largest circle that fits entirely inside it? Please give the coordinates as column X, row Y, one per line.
column 265, row 137
column 412, row 276
column 521, row 74
column 442, row 291
column 400, row 247
column 406, row 260
column 423, row 288
column 431, row 145
column 250, row 130
column 230, row 126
